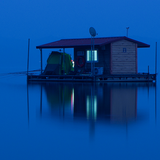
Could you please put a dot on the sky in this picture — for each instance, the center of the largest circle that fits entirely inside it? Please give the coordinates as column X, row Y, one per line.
column 47, row 21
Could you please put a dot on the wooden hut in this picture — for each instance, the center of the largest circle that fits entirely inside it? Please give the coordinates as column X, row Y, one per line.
column 112, row 59
column 112, row 55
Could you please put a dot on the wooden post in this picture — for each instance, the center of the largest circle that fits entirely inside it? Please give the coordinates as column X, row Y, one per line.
column 91, row 58
column 41, row 59
column 28, row 57
column 156, row 59
column 63, row 61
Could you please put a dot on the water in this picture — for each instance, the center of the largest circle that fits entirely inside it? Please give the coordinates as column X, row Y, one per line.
column 78, row 120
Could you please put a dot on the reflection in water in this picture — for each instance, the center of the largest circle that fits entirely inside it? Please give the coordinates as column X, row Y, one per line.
column 155, row 104
column 91, row 107
column 41, row 102
column 112, row 101
column 123, row 103
column 28, row 103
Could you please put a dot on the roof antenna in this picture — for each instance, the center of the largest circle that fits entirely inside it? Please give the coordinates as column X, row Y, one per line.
column 127, row 30
column 93, row 33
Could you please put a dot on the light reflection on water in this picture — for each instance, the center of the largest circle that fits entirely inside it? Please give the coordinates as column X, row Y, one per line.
column 79, row 121
column 106, row 103
column 113, row 102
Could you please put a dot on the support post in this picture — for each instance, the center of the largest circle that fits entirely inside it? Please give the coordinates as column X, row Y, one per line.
column 63, row 61
column 91, row 58
column 156, row 59
column 41, row 59
column 28, row 57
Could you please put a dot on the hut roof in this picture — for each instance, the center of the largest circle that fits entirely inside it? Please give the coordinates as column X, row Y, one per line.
column 72, row 43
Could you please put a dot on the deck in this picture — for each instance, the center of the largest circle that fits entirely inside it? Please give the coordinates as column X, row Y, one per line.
column 143, row 77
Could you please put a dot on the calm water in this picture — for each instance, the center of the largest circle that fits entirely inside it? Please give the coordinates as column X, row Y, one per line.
column 78, row 121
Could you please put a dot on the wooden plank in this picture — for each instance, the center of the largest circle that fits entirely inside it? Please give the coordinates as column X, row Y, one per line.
column 123, row 54
column 123, row 63
column 127, row 72
column 128, row 49
column 123, row 66
column 124, row 59
column 126, row 56
column 123, row 69
column 123, row 42
column 118, row 62
column 115, row 68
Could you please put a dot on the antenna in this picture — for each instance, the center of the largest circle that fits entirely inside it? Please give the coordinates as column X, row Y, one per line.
column 127, row 30
column 92, row 32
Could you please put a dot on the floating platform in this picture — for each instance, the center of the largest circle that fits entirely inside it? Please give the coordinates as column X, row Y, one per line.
column 143, row 77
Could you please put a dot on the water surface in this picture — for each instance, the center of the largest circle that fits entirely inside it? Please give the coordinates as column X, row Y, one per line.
column 79, row 120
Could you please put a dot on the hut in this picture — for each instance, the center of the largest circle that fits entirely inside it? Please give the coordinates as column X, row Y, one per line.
column 110, row 58
column 111, row 55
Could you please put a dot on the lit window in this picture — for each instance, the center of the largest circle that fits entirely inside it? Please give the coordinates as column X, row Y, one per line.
column 93, row 57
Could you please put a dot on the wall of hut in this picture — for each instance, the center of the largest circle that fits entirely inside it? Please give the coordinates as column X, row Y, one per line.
column 103, row 58
column 123, row 57
column 80, row 52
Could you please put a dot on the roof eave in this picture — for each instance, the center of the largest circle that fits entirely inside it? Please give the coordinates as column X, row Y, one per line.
column 143, row 46
column 139, row 44
column 49, row 47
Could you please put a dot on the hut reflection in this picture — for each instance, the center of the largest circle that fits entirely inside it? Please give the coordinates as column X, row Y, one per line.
column 60, row 98
column 123, row 103
column 113, row 102
column 102, row 103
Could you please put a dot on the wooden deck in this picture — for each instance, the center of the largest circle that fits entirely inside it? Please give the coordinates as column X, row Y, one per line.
column 145, row 77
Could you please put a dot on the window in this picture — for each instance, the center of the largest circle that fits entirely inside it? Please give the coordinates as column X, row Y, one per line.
column 124, row 50
column 93, row 57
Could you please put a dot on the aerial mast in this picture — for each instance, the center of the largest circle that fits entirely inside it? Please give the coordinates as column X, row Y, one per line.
column 127, row 30
column 93, row 33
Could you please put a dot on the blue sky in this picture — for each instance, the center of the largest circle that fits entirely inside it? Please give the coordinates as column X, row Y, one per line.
column 46, row 21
